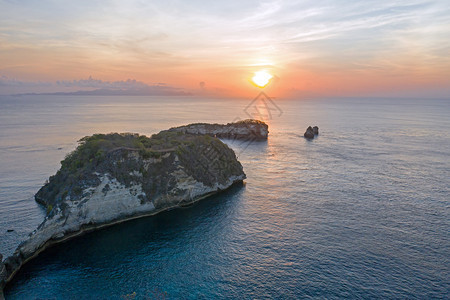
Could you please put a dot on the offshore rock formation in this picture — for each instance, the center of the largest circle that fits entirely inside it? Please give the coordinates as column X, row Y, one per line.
column 316, row 130
column 115, row 177
column 311, row 132
column 245, row 129
column 3, row 276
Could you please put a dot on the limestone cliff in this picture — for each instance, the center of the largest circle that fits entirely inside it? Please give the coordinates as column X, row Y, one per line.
column 246, row 129
column 114, row 177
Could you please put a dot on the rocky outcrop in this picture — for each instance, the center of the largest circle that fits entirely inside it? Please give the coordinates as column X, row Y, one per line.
column 311, row 132
column 316, row 130
column 111, row 178
column 3, row 277
column 245, row 129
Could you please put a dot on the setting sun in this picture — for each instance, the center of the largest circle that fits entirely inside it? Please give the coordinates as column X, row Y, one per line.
column 261, row 78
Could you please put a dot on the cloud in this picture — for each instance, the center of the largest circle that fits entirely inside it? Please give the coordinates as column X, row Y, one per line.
column 88, row 86
column 5, row 81
column 180, row 41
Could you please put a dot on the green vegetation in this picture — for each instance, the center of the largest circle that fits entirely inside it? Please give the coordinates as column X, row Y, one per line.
column 77, row 167
column 250, row 121
column 92, row 149
column 208, row 160
column 136, row 159
column 49, row 208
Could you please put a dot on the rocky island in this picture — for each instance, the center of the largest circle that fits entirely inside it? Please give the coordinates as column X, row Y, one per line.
column 111, row 178
column 311, row 132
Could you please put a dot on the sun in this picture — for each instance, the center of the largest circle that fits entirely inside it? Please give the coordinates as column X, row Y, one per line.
column 261, row 78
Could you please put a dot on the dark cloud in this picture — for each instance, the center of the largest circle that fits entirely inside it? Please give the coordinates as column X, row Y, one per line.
column 90, row 86
column 12, row 82
column 98, row 83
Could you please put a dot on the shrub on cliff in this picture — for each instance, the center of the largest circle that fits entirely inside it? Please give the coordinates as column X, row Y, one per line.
column 77, row 167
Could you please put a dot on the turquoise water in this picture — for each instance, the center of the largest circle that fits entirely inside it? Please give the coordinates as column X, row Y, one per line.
column 360, row 212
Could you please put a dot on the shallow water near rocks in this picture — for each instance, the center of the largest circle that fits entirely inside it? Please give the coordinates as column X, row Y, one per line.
column 360, row 211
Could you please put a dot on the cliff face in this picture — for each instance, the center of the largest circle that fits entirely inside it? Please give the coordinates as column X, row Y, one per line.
column 114, row 177
column 245, row 129
column 162, row 171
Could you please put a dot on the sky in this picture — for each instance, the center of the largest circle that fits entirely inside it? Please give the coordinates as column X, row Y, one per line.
column 337, row 48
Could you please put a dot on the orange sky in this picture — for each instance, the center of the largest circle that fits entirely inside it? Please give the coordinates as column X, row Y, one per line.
column 329, row 48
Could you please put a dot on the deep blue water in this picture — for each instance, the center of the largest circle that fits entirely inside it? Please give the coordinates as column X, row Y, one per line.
column 363, row 211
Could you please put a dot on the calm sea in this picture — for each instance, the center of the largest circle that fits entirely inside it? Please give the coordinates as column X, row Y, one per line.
column 362, row 211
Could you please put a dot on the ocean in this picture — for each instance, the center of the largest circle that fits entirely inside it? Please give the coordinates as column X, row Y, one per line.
column 361, row 211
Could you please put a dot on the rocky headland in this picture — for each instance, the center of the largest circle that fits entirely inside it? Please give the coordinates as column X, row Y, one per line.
column 111, row 178
column 245, row 129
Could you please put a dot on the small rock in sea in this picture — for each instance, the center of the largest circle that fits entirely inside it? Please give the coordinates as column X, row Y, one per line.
column 10, row 230
column 309, row 133
column 316, row 130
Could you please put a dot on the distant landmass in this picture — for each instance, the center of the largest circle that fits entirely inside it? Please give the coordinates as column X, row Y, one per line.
column 148, row 91
column 89, row 87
